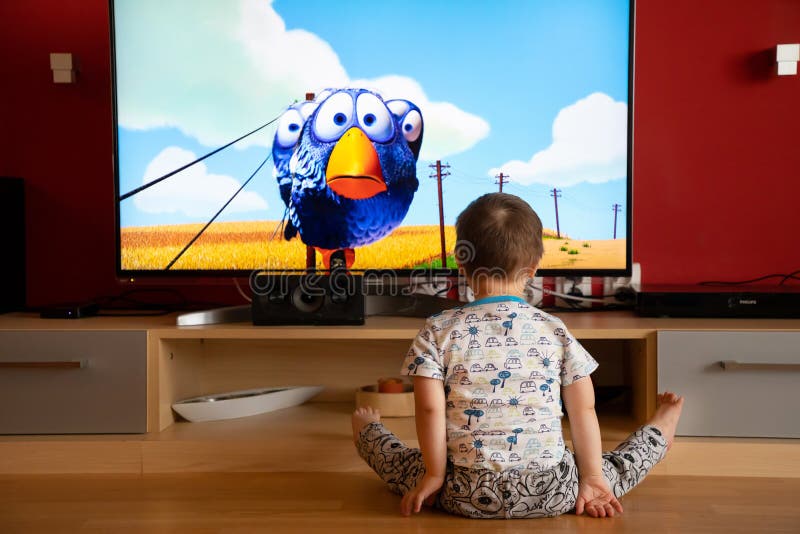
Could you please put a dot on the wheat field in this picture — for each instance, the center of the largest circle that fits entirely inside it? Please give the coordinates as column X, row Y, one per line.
column 257, row 245
column 260, row 245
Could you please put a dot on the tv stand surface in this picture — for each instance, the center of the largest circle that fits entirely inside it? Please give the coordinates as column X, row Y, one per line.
column 185, row 362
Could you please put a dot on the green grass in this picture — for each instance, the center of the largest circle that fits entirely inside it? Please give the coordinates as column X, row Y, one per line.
column 437, row 264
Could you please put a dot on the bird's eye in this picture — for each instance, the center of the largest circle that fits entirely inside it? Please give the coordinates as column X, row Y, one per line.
column 289, row 127
column 412, row 126
column 333, row 117
column 374, row 118
column 398, row 108
column 307, row 109
column 322, row 95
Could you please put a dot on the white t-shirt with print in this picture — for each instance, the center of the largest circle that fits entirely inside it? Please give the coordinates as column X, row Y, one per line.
column 503, row 363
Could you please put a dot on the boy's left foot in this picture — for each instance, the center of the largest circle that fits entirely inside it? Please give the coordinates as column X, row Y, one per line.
column 361, row 418
column 667, row 415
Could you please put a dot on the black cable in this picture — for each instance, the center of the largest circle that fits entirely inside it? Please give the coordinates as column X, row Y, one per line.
column 784, row 277
column 790, row 276
column 198, row 160
column 196, row 237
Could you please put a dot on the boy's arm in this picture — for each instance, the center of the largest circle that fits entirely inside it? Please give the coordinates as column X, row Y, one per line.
column 594, row 494
column 429, row 404
column 584, row 428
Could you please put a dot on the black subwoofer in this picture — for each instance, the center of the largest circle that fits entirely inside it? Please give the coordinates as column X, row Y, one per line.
column 12, row 235
column 313, row 299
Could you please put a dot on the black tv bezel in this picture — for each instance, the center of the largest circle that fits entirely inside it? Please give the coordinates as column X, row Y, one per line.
column 432, row 273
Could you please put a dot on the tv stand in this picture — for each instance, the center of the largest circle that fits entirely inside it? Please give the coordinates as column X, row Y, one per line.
column 181, row 362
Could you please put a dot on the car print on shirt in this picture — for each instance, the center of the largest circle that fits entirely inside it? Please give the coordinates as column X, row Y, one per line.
column 454, row 347
column 512, row 363
column 474, row 354
column 511, row 342
column 472, row 318
column 497, row 457
column 492, row 342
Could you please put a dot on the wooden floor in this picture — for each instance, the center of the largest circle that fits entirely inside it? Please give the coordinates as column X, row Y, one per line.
column 349, row 502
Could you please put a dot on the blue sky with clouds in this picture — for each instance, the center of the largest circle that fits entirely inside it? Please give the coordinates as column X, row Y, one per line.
column 517, row 72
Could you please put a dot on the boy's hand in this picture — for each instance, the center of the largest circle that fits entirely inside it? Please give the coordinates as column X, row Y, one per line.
column 425, row 492
column 596, row 499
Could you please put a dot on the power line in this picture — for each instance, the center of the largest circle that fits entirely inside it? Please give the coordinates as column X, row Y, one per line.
column 196, row 237
column 501, row 179
column 439, row 175
column 198, row 160
column 556, row 193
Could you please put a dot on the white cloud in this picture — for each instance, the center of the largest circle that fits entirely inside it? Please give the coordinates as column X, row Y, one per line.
column 238, row 81
column 589, row 145
column 193, row 192
column 448, row 129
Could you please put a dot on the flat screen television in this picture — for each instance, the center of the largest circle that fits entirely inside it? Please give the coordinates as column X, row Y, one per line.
column 530, row 97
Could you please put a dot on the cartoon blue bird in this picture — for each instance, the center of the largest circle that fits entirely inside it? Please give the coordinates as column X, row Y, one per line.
column 287, row 134
column 351, row 172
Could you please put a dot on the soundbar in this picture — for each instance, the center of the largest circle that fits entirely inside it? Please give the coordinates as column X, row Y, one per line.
column 715, row 301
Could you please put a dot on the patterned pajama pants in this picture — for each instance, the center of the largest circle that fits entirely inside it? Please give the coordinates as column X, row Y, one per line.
column 485, row 494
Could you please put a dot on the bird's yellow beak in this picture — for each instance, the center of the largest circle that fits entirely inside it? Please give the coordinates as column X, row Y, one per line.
column 354, row 170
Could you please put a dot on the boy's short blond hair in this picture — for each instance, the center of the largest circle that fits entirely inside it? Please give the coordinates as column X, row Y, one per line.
column 498, row 231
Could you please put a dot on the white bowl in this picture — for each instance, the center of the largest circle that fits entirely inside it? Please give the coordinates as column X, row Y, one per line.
column 243, row 403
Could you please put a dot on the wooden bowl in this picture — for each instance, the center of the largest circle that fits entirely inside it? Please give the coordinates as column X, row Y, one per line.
column 388, row 404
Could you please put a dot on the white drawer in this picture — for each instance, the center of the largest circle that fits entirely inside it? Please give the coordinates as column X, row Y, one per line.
column 755, row 393
column 73, row 382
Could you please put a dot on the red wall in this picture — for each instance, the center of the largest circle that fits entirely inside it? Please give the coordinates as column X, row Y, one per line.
column 716, row 152
column 716, row 165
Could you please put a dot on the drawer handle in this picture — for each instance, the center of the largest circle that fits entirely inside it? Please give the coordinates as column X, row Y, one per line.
column 733, row 365
column 72, row 364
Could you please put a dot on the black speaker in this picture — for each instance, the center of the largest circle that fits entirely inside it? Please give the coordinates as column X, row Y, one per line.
column 12, row 235
column 307, row 299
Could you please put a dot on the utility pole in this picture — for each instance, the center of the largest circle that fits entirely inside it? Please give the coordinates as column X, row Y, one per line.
column 311, row 254
column 501, row 179
column 617, row 208
column 439, row 175
column 556, row 193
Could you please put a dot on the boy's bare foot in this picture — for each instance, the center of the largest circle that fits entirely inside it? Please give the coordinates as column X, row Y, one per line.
column 362, row 417
column 667, row 415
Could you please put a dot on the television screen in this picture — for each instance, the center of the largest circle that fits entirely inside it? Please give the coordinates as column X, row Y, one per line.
column 279, row 135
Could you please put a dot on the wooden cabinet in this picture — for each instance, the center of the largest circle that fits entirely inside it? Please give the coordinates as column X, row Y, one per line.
column 73, row 382
column 738, row 384
column 135, row 368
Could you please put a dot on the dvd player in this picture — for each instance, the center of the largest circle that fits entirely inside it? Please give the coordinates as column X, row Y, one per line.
column 719, row 301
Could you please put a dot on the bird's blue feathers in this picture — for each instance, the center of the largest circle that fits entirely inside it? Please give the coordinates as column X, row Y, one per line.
column 327, row 220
